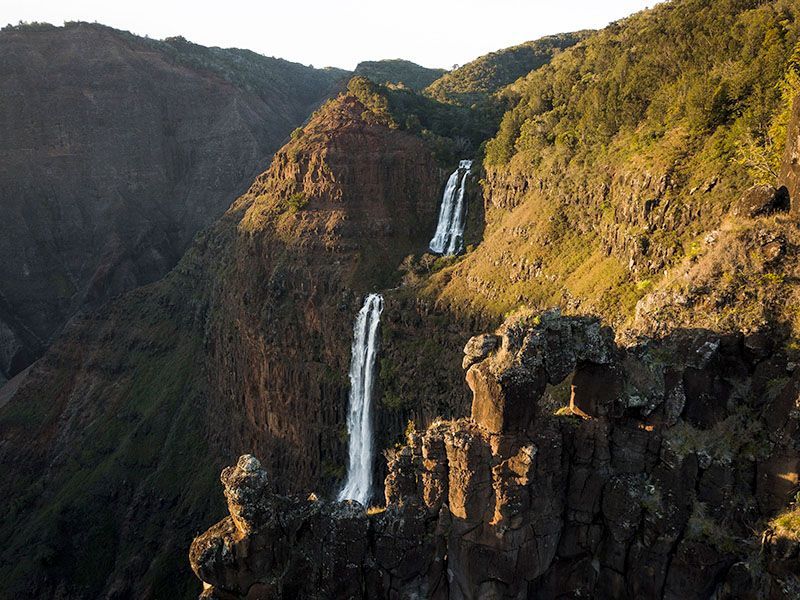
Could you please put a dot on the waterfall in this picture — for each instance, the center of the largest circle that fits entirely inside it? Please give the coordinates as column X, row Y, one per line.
column 359, row 416
column 449, row 236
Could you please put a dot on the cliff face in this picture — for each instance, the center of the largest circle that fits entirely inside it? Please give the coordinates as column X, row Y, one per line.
column 244, row 346
column 651, row 481
column 790, row 165
column 97, row 445
column 646, row 476
column 331, row 220
column 115, row 151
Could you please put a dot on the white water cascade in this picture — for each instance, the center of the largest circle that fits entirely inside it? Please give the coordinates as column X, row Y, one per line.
column 359, row 417
column 449, row 237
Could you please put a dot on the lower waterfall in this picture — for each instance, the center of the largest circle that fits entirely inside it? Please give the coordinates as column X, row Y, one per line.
column 449, row 236
column 359, row 417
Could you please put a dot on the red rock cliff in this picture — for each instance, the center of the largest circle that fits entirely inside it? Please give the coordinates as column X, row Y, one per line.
column 244, row 347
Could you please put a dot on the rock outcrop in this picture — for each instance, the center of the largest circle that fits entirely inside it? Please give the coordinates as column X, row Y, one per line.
column 292, row 547
column 116, row 150
column 647, row 481
column 790, row 166
column 762, row 200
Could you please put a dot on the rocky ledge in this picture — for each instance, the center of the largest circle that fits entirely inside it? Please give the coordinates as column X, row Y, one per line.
column 587, row 469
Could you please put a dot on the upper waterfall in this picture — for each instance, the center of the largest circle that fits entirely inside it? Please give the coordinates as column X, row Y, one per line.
column 449, row 236
column 359, row 417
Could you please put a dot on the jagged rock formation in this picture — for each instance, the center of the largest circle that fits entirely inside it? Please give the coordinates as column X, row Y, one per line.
column 648, row 481
column 292, row 547
column 116, row 151
column 614, row 165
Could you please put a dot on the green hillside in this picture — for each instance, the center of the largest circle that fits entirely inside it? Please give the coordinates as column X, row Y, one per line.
column 397, row 71
column 480, row 78
column 622, row 157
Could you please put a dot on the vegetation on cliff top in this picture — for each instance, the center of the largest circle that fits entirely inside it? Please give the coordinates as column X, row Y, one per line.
column 262, row 75
column 475, row 81
column 624, row 150
column 452, row 131
column 265, row 76
column 712, row 69
column 398, row 71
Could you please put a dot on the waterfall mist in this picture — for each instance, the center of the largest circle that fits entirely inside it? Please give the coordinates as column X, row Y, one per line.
column 359, row 417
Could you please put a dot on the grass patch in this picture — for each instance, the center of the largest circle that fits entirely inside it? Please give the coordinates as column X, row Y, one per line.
column 787, row 524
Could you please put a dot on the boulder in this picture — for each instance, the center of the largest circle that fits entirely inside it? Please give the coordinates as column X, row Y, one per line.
column 762, row 200
column 507, row 402
column 246, row 490
column 508, row 382
column 478, row 348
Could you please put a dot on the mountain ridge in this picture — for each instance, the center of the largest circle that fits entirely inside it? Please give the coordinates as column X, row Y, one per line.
column 103, row 189
column 243, row 347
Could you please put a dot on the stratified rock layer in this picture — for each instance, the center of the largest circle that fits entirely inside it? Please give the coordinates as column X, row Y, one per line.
column 790, row 166
column 647, row 482
column 114, row 152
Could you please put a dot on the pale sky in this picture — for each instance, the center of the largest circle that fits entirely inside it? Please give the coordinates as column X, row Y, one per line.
column 340, row 33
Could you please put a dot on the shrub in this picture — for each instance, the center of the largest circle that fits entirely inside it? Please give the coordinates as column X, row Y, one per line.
column 296, row 201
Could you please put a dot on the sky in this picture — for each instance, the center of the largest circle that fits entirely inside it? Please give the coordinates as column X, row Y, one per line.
column 340, row 33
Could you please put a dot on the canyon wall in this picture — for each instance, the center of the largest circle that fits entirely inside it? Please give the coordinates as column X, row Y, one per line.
column 587, row 469
column 110, row 444
column 329, row 222
column 116, row 150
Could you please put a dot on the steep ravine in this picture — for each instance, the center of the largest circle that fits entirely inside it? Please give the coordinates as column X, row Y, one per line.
column 116, row 150
column 112, row 444
column 590, row 466
column 243, row 347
